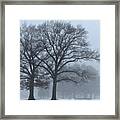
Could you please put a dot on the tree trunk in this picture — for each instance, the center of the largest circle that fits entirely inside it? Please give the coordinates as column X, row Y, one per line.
column 31, row 90
column 54, row 89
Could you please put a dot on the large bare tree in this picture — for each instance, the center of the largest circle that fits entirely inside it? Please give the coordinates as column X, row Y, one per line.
column 63, row 44
column 30, row 46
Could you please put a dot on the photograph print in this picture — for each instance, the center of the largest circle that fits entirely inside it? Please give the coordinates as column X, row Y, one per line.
column 60, row 60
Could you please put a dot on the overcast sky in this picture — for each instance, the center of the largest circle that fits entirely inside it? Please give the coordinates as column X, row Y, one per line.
column 92, row 26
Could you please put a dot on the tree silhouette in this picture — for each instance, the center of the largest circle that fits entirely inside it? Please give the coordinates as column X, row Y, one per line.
column 29, row 65
column 63, row 44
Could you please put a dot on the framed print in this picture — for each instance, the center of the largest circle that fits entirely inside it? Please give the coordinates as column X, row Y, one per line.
column 59, row 59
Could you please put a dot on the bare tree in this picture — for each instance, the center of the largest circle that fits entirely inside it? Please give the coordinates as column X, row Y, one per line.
column 29, row 65
column 63, row 44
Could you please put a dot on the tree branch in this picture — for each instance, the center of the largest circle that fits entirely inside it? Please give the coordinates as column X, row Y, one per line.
column 68, row 79
column 69, row 71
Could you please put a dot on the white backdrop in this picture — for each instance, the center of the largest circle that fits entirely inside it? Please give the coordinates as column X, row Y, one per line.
column 104, row 13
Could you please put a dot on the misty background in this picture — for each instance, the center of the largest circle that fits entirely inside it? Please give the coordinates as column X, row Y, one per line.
column 69, row 90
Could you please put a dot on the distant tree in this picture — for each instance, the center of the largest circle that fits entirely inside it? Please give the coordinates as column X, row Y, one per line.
column 81, row 76
column 78, row 73
column 89, row 72
column 29, row 64
column 63, row 44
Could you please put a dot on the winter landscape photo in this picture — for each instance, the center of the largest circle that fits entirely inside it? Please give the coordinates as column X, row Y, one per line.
column 60, row 60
